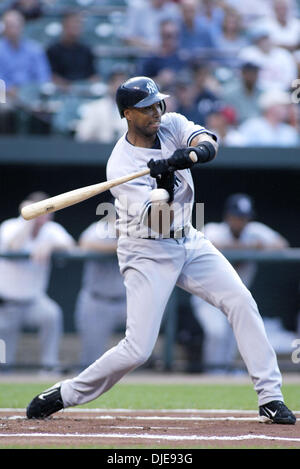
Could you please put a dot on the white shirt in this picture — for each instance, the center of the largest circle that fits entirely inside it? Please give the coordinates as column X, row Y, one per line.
column 133, row 198
column 26, row 279
column 102, row 276
column 287, row 35
column 220, row 234
column 259, row 132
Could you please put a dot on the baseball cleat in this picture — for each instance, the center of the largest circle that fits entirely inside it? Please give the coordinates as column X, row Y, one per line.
column 276, row 412
column 45, row 404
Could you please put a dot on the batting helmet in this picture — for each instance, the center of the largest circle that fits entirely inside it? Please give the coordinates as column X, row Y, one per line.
column 139, row 92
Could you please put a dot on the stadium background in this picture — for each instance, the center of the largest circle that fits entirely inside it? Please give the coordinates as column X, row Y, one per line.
column 39, row 158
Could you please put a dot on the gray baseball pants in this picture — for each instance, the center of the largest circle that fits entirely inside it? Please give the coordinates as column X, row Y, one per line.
column 151, row 269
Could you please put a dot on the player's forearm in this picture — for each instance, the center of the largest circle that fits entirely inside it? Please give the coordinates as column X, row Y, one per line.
column 98, row 246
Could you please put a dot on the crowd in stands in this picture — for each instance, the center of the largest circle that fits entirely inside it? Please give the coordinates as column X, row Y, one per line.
column 229, row 65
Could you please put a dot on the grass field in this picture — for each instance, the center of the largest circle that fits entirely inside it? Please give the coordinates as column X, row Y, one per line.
column 230, row 396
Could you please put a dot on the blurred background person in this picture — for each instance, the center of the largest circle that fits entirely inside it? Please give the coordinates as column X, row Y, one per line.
column 283, row 25
column 222, row 122
column 271, row 128
column 167, row 62
column 23, row 62
column 70, row 58
column 243, row 92
column 238, row 230
column 100, row 121
column 278, row 67
column 194, row 34
column 101, row 303
column 143, row 22
column 24, row 283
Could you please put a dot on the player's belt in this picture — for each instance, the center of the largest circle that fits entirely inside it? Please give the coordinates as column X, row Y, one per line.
column 173, row 234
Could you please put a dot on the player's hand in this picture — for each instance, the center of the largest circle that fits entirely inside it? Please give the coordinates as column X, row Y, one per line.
column 159, row 167
column 164, row 175
column 181, row 159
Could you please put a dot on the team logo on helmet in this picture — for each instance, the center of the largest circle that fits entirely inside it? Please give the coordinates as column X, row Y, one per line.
column 151, row 87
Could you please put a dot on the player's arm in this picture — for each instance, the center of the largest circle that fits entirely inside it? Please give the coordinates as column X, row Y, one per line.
column 205, row 147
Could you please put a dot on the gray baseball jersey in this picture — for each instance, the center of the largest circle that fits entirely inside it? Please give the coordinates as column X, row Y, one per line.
column 152, row 267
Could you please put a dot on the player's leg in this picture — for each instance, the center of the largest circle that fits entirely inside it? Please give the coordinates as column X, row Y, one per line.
column 218, row 353
column 45, row 314
column 95, row 321
column 209, row 275
column 150, row 269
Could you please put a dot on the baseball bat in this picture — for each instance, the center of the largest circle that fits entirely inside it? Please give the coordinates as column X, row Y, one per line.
column 66, row 199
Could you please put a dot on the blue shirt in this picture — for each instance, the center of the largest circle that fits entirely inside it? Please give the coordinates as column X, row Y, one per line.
column 24, row 64
column 199, row 37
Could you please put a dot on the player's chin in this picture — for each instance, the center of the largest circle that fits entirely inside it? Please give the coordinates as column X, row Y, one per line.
column 152, row 129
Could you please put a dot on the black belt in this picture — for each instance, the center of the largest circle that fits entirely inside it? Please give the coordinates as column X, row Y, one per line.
column 177, row 234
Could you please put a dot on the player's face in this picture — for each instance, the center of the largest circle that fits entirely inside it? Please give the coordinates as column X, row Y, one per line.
column 236, row 223
column 146, row 120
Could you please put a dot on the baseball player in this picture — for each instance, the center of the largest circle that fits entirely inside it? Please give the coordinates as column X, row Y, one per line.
column 153, row 259
column 101, row 303
column 24, row 283
column 238, row 230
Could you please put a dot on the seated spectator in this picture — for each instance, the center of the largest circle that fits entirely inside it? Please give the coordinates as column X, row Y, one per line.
column 278, row 67
column 243, row 93
column 271, row 128
column 211, row 15
column 101, row 303
column 283, row 27
column 24, row 283
column 164, row 65
column 143, row 23
column 193, row 33
column 100, row 120
column 250, row 11
column 71, row 60
column 222, row 122
column 231, row 38
column 22, row 61
column 186, row 92
column 30, row 9
column 206, row 98
column 237, row 230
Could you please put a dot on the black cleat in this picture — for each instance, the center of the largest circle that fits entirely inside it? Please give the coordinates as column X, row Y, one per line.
column 45, row 404
column 276, row 412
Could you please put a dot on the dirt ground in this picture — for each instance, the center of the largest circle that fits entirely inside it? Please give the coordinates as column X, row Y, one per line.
column 155, row 429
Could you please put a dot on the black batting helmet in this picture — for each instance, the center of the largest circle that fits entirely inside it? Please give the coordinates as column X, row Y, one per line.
column 139, row 92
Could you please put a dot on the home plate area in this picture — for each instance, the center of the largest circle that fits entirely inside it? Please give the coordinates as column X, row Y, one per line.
column 150, row 428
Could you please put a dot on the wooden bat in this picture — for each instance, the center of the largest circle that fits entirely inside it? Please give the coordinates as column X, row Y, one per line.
column 58, row 202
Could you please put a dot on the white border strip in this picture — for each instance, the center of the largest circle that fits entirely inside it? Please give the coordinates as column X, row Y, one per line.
column 149, row 437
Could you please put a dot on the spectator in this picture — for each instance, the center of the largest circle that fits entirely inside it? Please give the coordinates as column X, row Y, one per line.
column 271, row 128
column 222, row 122
column 71, row 60
column 194, row 34
column 101, row 304
column 278, row 67
column 143, row 23
column 23, row 283
column 23, row 61
column 185, row 92
column 100, row 120
column 283, row 27
column 211, row 15
column 243, row 93
column 164, row 65
column 238, row 230
column 231, row 38
column 30, row 9
column 206, row 99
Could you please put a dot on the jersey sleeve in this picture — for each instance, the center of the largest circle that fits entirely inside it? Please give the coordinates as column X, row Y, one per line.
column 263, row 233
column 185, row 130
